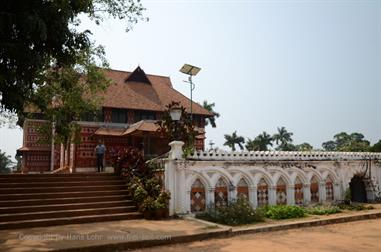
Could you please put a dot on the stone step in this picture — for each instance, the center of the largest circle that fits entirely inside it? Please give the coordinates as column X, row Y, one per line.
column 69, row 220
column 64, row 175
column 46, row 184
column 57, row 195
column 9, row 191
column 28, row 179
column 58, row 201
column 69, row 206
column 65, row 213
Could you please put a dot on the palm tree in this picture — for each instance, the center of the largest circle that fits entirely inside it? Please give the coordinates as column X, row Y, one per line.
column 260, row 143
column 212, row 119
column 233, row 139
column 283, row 138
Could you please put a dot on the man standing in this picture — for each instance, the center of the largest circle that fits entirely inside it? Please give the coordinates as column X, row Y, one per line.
column 100, row 150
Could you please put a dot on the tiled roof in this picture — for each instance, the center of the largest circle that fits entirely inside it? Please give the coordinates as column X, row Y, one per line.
column 144, row 96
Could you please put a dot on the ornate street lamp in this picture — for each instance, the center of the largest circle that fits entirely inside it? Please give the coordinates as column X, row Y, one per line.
column 175, row 113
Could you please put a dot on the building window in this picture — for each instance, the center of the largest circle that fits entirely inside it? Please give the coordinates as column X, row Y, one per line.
column 119, row 116
column 144, row 115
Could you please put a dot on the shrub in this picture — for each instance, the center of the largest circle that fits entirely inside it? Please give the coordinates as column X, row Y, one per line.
column 323, row 210
column 237, row 212
column 284, row 212
column 139, row 194
column 355, row 207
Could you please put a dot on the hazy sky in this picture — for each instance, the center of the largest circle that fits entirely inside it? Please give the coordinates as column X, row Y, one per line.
column 311, row 66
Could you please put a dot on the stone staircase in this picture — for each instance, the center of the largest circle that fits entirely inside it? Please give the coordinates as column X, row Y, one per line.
column 37, row 200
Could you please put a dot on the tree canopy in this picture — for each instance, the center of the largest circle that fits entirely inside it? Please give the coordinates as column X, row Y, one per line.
column 5, row 163
column 36, row 35
column 234, row 139
column 347, row 142
column 210, row 108
column 259, row 143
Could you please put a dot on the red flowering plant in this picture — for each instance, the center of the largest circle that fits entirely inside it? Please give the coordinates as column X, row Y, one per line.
column 145, row 188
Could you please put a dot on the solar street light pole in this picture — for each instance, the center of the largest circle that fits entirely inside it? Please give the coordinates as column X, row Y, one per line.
column 191, row 71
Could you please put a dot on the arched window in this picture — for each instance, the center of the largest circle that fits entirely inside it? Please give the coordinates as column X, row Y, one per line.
column 299, row 197
column 281, row 192
column 197, row 196
column 242, row 189
column 263, row 193
column 314, row 188
column 221, row 193
column 329, row 189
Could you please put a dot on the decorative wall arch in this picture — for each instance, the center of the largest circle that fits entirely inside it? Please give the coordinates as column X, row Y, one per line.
column 299, row 173
column 218, row 172
column 314, row 189
column 281, row 191
column 280, row 173
column 329, row 188
column 221, row 192
column 239, row 174
column 262, row 192
column 298, row 191
column 242, row 189
column 197, row 175
column 259, row 174
column 198, row 196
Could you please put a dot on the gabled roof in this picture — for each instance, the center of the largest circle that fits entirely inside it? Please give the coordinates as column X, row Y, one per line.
column 130, row 91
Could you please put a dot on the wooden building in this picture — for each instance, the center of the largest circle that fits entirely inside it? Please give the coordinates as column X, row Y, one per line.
column 132, row 104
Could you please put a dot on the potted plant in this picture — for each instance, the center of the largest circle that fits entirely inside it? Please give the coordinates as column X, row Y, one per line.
column 162, row 203
column 148, row 207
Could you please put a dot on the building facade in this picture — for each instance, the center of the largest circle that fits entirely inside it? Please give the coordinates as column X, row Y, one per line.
column 131, row 106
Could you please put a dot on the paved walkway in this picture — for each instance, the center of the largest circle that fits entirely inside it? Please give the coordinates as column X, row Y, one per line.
column 83, row 235
column 345, row 237
column 111, row 236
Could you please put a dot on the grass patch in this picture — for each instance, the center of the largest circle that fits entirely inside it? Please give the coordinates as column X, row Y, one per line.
column 354, row 206
column 323, row 210
column 281, row 212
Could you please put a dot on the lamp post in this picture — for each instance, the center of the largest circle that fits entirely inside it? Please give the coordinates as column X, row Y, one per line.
column 175, row 113
column 191, row 71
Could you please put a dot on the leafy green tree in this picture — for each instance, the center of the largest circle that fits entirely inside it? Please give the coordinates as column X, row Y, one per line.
column 376, row 147
column 260, row 143
column 304, row 147
column 210, row 108
column 329, row 145
column 70, row 92
column 284, row 139
column 5, row 163
column 347, row 142
column 36, row 34
column 234, row 139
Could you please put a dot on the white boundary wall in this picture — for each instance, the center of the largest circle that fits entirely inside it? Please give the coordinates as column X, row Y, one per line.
column 209, row 167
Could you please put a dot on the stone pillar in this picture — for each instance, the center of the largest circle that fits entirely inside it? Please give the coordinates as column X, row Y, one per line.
column 232, row 193
column 337, row 195
column 188, row 200
column 290, row 195
column 307, row 193
column 210, row 196
column 180, row 190
column 322, row 192
column 272, row 195
column 253, row 196
column 171, row 177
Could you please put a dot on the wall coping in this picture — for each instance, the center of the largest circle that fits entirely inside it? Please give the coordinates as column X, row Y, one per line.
column 283, row 155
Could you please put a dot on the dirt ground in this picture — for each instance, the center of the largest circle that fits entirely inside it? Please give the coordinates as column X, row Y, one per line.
column 345, row 237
